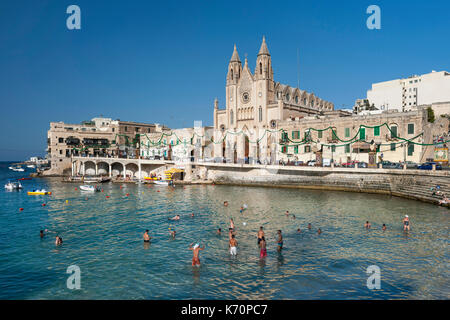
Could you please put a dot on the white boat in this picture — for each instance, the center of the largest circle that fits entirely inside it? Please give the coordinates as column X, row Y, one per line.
column 163, row 182
column 88, row 188
column 17, row 169
column 13, row 185
column 32, row 166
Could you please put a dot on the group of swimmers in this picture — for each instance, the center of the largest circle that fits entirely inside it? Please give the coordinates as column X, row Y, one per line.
column 406, row 224
column 58, row 239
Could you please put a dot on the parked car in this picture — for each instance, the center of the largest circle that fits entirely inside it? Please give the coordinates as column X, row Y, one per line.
column 350, row 164
column 326, row 162
column 390, row 165
column 311, row 163
column 362, row 165
column 411, row 165
column 429, row 166
column 157, row 157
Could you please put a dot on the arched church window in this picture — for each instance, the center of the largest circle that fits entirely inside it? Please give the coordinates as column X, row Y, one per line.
column 288, row 97
column 231, row 117
column 231, row 74
column 260, row 68
column 260, row 114
column 296, row 99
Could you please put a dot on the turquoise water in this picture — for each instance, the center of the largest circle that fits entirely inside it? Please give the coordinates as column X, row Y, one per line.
column 104, row 238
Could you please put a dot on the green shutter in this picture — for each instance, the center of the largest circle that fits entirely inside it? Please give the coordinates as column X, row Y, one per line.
column 296, row 149
column 362, row 133
column 333, row 148
column 334, row 135
column 376, row 131
column 392, row 146
column 394, row 132
column 347, row 148
column 347, row 132
column 410, row 149
column 410, row 128
column 320, row 134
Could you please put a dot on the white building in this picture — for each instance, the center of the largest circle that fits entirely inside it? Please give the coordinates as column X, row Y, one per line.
column 407, row 94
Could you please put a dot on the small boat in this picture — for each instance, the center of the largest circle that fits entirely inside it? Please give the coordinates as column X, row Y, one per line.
column 39, row 192
column 21, row 179
column 11, row 185
column 89, row 188
column 163, row 182
column 32, row 166
column 19, row 169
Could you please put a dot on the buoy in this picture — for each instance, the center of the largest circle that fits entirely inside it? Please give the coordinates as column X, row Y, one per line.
column 127, row 194
column 107, row 197
column 158, row 190
column 142, row 192
column 43, row 204
column 67, row 201
column 20, row 209
column 76, row 189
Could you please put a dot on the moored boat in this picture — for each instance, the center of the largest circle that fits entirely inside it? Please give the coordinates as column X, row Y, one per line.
column 39, row 192
column 12, row 185
column 89, row 188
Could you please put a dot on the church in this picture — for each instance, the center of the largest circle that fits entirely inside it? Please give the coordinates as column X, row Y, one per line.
column 246, row 131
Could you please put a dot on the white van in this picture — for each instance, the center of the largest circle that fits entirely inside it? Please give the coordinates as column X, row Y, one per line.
column 326, row 162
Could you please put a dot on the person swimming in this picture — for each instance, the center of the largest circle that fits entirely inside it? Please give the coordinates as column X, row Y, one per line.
column 299, row 231
column 177, row 217
column 384, row 227
column 225, row 203
column 367, row 225
column 260, row 234
column 41, row 234
column 263, row 251
column 219, row 231
column 233, row 246
column 196, row 252
column 146, row 236
column 173, row 233
column 319, row 231
column 279, row 241
column 406, row 225
column 58, row 240
column 309, row 226
column 287, row 213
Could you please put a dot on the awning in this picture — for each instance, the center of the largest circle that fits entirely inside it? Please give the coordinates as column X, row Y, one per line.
column 361, row 145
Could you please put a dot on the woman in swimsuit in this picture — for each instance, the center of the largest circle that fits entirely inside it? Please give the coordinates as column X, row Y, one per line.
column 146, row 236
column 279, row 241
column 406, row 223
column 262, row 245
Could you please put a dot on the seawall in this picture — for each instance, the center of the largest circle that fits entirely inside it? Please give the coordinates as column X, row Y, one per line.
column 412, row 184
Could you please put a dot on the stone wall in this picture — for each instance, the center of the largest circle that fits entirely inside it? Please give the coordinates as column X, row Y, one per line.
column 414, row 184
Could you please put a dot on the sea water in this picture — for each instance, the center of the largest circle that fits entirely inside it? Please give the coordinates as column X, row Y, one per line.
column 103, row 237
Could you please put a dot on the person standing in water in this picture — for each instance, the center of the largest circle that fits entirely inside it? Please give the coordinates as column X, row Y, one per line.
column 233, row 246
column 262, row 245
column 196, row 252
column 260, row 234
column 406, row 225
column 42, row 234
column 384, row 227
column 146, row 236
column 367, row 225
column 58, row 240
column 279, row 241
column 231, row 223
column 309, row 226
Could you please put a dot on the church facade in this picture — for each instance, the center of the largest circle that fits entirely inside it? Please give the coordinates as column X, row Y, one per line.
column 246, row 131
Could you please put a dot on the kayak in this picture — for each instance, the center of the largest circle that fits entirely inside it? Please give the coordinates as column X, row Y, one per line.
column 39, row 192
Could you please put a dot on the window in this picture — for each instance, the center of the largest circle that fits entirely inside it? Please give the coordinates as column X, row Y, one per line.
column 287, row 96
column 231, row 117
column 126, row 129
column 362, row 133
column 410, row 149
column 60, row 140
column 334, row 134
column 320, row 134
column 333, row 148
column 284, row 149
column 392, row 146
column 410, row 128
column 394, row 132
column 260, row 114
column 136, row 129
column 295, row 134
column 231, row 71
column 347, row 148
column 307, row 149
column 347, row 132
column 296, row 149
column 376, row 131
column 284, row 136
column 260, row 68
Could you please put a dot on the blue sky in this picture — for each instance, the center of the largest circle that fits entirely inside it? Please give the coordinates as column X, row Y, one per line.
column 166, row 61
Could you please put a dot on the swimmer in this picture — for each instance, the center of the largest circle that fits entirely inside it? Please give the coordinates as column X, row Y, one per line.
column 42, row 234
column 287, row 213
column 262, row 245
column 319, row 231
column 192, row 215
column 299, row 231
column 225, row 203
column 260, row 234
column 177, row 217
column 384, row 227
column 146, row 236
column 367, row 225
column 58, row 240
column 279, row 241
column 196, row 252
column 233, row 245
column 309, row 226
column 219, row 231
column 173, row 233
column 406, row 223
column 293, row 216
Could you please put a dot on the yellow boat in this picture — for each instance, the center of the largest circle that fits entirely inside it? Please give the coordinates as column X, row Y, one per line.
column 39, row 192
